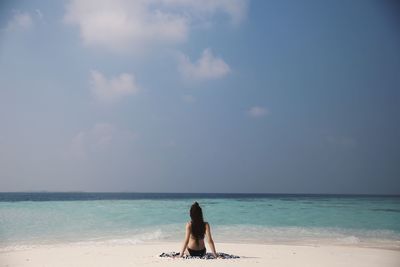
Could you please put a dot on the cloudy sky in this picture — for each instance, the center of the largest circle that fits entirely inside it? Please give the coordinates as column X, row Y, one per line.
column 200, row 96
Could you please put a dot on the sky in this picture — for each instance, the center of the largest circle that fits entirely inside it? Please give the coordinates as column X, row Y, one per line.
column 229, row 96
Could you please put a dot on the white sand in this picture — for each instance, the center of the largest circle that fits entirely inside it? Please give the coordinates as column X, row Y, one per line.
column 251, row 255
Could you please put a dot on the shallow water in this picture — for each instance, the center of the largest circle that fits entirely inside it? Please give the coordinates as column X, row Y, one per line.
column 37, row 218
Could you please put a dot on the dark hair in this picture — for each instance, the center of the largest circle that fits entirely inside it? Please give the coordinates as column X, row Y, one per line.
column 198, row 225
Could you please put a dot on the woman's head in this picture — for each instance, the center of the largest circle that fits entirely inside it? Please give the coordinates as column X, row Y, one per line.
column 195, row 212
column 198, row 226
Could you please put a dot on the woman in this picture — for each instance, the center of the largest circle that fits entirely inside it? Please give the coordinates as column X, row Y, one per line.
column 196, row 230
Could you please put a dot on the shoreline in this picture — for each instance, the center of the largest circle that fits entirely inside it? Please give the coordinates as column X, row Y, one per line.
column 251, row 255
column 383, row 244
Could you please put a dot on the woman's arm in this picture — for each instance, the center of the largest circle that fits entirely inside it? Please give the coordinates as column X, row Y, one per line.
column 186, row 241
column 210, row 240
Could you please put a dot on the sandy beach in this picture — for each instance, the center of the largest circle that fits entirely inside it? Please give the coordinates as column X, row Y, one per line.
column 251, row 255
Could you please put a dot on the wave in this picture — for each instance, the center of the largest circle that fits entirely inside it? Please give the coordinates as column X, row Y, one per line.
column 308, row 235
column 109, row 240
column 230, row 233
column 155, row 235
column 386, row 210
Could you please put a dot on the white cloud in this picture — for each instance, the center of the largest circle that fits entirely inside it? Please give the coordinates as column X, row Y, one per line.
column 97, row 139
column 207, row 67
column 235, row 9
column 258, row 111
column 121, row 25
column 170, row 143
column 39, row 13
column 20, row 21
column 112, row 90
column 188, row 99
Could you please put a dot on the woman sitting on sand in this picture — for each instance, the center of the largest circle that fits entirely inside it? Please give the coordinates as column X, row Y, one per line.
column 196, row 230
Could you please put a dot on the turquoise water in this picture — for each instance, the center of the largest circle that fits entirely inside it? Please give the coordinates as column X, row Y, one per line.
column 259, row 219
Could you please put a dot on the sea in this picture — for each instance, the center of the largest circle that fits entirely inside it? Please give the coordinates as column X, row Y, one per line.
column 46, row 218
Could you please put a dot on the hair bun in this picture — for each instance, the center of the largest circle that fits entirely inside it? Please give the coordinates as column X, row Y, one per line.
column 195, row 203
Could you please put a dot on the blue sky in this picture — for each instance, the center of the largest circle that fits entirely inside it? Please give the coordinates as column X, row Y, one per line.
column 200, row 96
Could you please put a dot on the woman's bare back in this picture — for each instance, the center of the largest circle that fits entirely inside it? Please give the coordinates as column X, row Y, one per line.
column 192, row 240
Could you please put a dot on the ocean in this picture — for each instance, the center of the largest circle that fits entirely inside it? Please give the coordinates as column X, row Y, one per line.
column 29, row 219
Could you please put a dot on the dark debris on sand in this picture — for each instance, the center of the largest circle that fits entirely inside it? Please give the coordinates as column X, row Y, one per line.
column 208, row 256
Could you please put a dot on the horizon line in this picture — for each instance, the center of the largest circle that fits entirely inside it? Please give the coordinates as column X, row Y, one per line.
column 202, row 193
